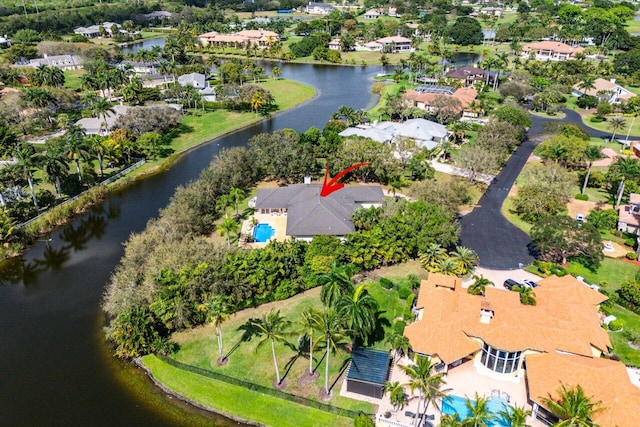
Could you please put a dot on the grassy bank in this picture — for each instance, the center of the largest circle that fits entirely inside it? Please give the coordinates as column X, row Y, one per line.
column 236, row 400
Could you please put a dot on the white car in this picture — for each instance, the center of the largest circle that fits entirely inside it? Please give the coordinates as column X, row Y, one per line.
column 580, row 218
column 607, row 247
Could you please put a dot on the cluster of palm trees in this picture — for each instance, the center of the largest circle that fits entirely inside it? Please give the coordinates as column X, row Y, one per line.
column 230, row 225
column 48, row 76
column 458, row 262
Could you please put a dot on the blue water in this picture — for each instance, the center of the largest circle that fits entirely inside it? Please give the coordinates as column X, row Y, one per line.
column 457, row 405
column 263, row 232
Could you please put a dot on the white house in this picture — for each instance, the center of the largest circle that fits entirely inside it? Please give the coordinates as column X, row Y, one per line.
column 64, row 62
column 605, row 89
column 199, row 82
column 318, row 8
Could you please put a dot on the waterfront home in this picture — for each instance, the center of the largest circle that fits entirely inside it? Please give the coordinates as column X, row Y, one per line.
column 318, row 8
column 425, row 133
column 550, row 51
column 239, row 39
column 335, row 44
column 468, row 74
column 607, row 90
column 424, row 97
column 396, row 44
column 198, row 81
column 64, row 62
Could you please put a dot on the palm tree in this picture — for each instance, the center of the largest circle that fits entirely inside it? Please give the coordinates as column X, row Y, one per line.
column 479, row 413
column 615, row 124
column 101, row 107
column 276, row 72
column 217, row 313
column 308, row 327
column 466, row 259
column 223, row 202
column 237, row 194
column 479, row 285
column 399, row 343
column 515, row 416
column 527, row 296
column 333, row 335
column 335, row 284
column 397, row 396
column 55, row 165
column 422, row 379
column 588, row 83
column 228, row 227
column 27, row 159
column 272, row 327
column 447, row 266
column 96, row 146
column 432, row 255
column 573, row 407
column 591, row 153
column 257, row 101
column 76, row 147
column 359, row 312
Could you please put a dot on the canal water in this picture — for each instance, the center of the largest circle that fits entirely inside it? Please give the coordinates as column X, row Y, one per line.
column 56, row 367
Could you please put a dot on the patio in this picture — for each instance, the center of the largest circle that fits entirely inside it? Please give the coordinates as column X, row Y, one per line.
column 277, row 222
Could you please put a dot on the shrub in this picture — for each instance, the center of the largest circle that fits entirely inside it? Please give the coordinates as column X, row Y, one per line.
column 631, row 241
column 616, row 325
column 597, row 119
column 363, row 421
column 414, row 281
column 543, row 266
column 558, row 270
column 386, row 283
column 633, row 337
column 404, row 292
column 408, row 314
column 605, row 309
column 631, row 255
column 582, row 197
column 398, row 327
column 629, row 294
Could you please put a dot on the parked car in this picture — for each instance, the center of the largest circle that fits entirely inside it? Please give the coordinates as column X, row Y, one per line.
column 529, row 283
column 607, row 247
column 510, row 283
column 580, row 218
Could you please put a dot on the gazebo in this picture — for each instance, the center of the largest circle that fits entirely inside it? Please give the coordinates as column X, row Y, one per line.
column 368, row 371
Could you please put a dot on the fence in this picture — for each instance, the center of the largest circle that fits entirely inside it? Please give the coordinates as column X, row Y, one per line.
column 262, row 389
column 74, row 198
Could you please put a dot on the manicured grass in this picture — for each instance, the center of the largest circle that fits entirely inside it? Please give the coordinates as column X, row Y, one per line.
column 198, row 348
column 73, row 79
column 627, row 355
column 507, row 211
column 239, row 401
column 612, row 271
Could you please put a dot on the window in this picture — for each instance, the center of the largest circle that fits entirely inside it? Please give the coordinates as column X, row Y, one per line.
column 502, row 362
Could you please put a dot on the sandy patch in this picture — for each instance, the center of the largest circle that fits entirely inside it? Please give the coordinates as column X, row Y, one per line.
column 618, row 250
column 583, row 207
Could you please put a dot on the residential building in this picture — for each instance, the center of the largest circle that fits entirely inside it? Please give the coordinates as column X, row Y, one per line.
column 557, row 341
column 629, row 215
column 607, row 90
column 372, row 14
column 335, row 44
column 240, row 39
column 396, row 44
column 318, row 8
column 4, row 42
column 550, row 51
column 64, row 62
column 140, row 67
column 491, row 11
column 94, row 31
column 423, row 97
column 370, row 46
column 102, row 125
column 425, row 133
column 199, row 81
column 469, row 75
column 308, row 214
column 158, row 15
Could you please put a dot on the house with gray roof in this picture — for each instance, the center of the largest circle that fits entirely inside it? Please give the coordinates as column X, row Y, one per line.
column 199, row 81
column 425, row 133
column 308, row 214
column 64, row 62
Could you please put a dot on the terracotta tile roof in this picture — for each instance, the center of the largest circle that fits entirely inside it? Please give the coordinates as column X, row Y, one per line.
column 465, row 95
column 602, row 379
column 565, row 318
column 553, row 46
column 625, row 215
column 634, row 199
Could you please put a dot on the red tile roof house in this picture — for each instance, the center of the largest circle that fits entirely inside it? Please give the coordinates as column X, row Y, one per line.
column 558, row 341
column 551, row 51
column 423, row 100
column 397, row 43
column 629, row 215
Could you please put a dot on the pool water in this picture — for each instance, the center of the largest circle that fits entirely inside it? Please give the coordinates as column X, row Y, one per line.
column 263, row 232
column 452, row 405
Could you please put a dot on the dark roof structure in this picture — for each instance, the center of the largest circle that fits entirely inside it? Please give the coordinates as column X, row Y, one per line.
column 369, row 366
column 444, row 90
column 308, row 214
column 465, row 72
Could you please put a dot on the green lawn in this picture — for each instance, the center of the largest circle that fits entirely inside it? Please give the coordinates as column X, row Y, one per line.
column 72, row 79
column 612, row 272
column 239, row 401
column 507, row 211
column 627, row 355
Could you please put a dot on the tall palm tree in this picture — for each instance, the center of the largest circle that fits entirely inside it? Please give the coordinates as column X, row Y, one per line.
column 479, row 413
column 335, row 284
column 427, row 383
column 76, row 147
column 447, row 266
column 55, row 165
column 308, row 328
column 466, row 259
column 399, row 344
column 359, row 312
column 228, row 227
column 515, row 416
column 527, row 296
column 587, row 84
column 276, row 72
column 237, row 194
column 272, row 327
column 479, row 285
column 101, row 108
column 591, row 153
column 257, row 101
column 397, row 395
column 573, row 407
column 217, row 313
column 615, row 124
column 333, row 336
column 96, row 145
column 223, row 203
column 27, row 159
column 433, row 254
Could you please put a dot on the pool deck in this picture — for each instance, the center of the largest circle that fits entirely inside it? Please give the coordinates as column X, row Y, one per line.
column 277, row 222
column 464, row 381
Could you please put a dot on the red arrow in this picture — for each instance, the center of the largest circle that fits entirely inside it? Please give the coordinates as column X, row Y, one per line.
column 333, row 185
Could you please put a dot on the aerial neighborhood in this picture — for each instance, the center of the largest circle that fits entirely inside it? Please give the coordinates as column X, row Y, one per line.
column 294, row 213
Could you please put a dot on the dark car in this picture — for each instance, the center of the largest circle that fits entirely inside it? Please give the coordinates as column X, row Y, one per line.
column 510, row 283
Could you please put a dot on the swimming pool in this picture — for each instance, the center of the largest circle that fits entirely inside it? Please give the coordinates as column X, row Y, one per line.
column 457, row 405
column 263, row 232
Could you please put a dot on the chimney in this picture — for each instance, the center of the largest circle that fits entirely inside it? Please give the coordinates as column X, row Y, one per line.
column 612, row 81
column 486, row 312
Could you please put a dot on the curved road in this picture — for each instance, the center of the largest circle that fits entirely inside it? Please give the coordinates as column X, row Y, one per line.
column 500, row 245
